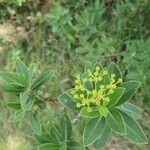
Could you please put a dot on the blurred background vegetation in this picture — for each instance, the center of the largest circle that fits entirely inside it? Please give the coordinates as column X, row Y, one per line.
column 64, row 35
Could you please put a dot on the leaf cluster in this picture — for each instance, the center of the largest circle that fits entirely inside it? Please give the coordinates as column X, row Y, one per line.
column 121, row 117
column 24, row 86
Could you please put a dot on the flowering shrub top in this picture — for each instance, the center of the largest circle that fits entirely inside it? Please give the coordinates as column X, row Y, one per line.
column 99, row 94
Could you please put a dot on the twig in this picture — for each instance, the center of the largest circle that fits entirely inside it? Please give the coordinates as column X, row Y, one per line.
column 50, row 99
column 75, row 120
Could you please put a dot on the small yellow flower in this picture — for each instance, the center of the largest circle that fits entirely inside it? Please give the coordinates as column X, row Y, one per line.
column 73, row 92
column 100, row 78
column 105, row 72
column 76, row 96
column 78, row 105
column 111, row 91
column 107, row 99
column 82, row 96
column 81, row 87
column 84, row 102
column 102, row 87
column 76, row 87
column 89, row 72
column 97, row 68
column 100, row 95
column 112, row 75
column 119, row 80
column 84, row 80
column 89, row 109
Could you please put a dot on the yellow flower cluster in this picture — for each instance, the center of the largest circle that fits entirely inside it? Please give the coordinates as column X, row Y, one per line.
column 100, row 92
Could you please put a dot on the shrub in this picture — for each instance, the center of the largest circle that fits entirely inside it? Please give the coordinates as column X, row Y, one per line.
column 99, row 94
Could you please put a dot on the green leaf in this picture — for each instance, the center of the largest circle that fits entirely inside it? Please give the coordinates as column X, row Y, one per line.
column 21, row 68
column 35, row 124
column 18, row 116
column 130, row 109
column 114, row 69
column 14, row 105
column 93, row 130
column 67, row 100
column 43, row 138
column 115, row 121
column 130, row 89
column 17, row 84
column 26, row 101
column 63, row 146
column 92, row 114
column 22, row 80
column 48, row 146
column 103, row 110
column 42, row 79
column 11, row 89
column 56, row 135
column 114, row 98
column 32, row 69
column 133, row 130
column 8, row 76
column 73, row 145
column 103, row 139
column 66, row 127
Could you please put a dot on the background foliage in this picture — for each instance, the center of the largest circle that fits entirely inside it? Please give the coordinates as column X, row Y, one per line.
column 63, row 35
